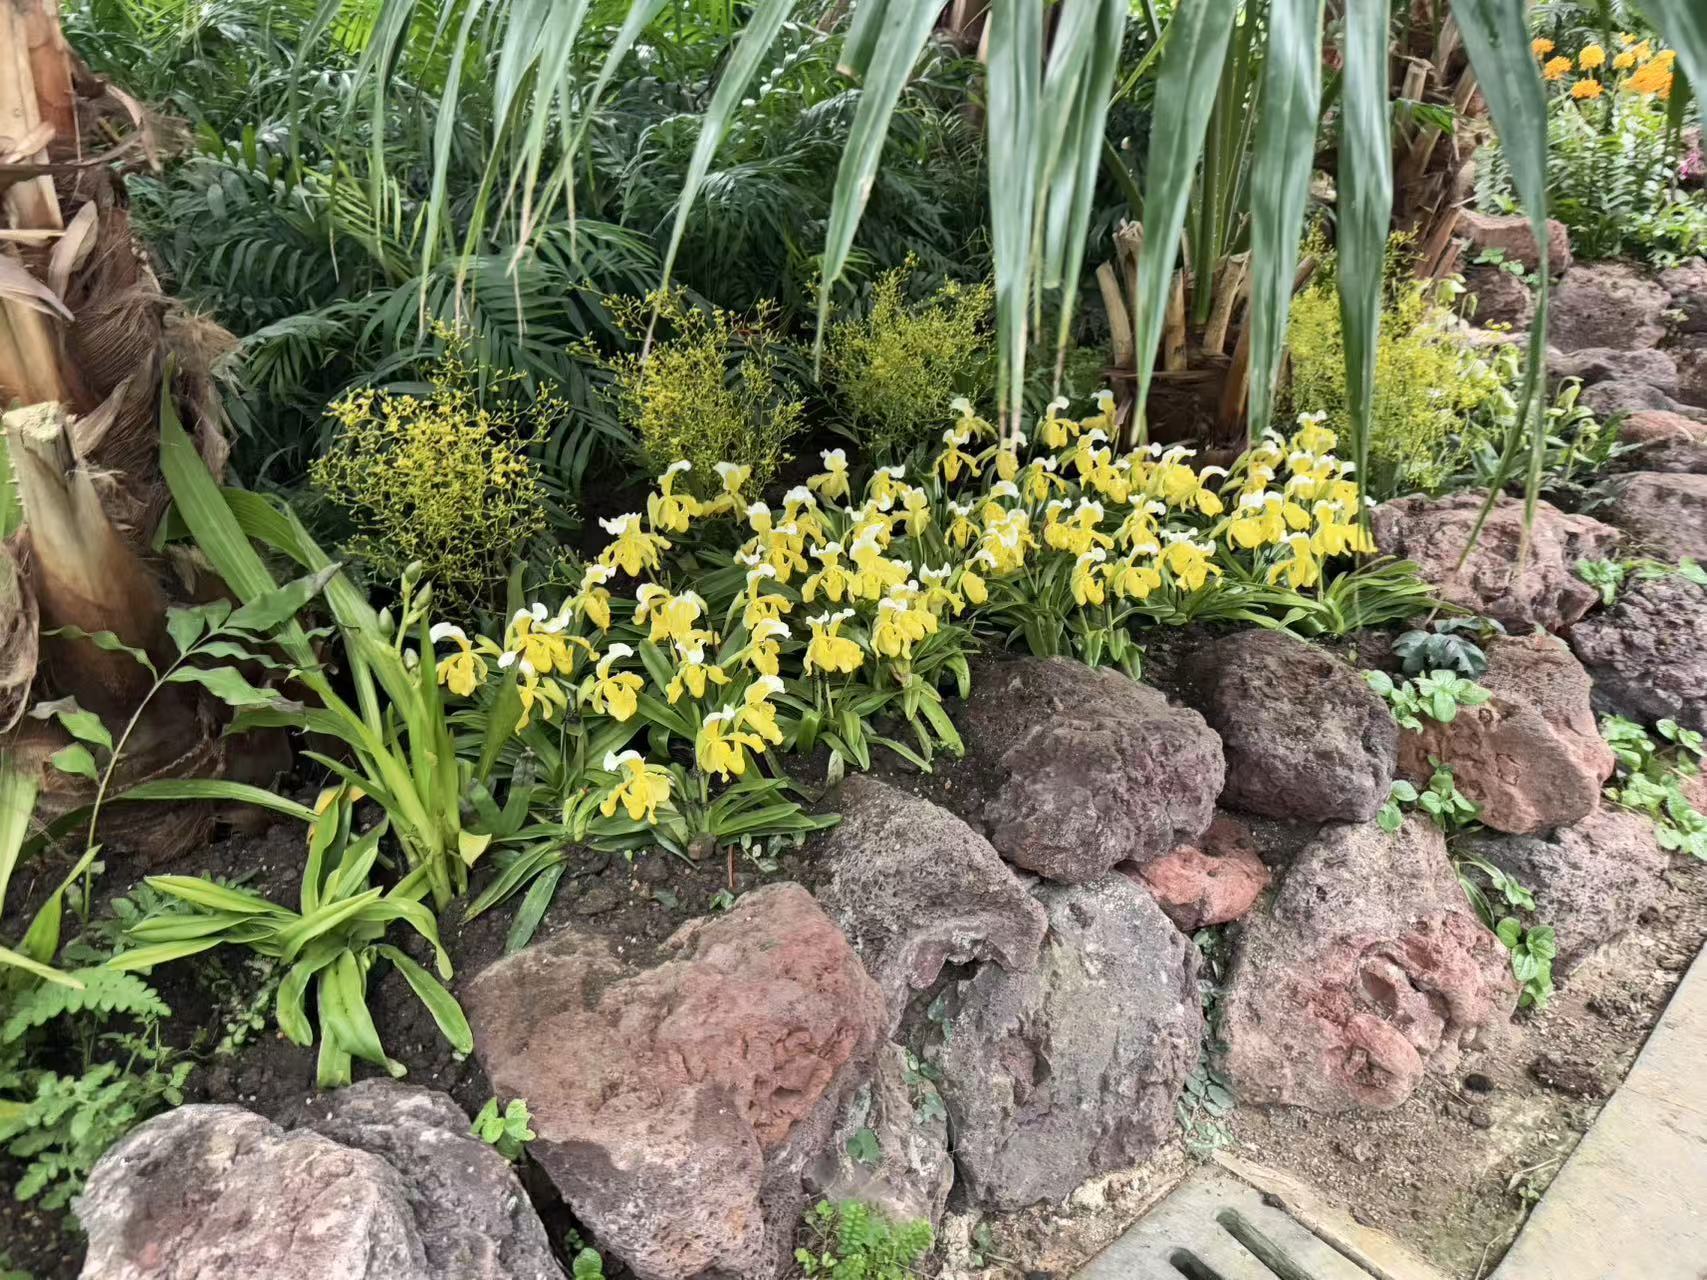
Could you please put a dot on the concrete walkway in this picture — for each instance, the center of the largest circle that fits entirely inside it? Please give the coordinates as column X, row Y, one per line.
column 1631, row 1202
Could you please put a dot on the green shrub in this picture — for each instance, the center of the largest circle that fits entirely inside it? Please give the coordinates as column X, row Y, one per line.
column 708, row 392
column 898, row 366
column 1428, row 380
column 440, row 479
column 850, row 1242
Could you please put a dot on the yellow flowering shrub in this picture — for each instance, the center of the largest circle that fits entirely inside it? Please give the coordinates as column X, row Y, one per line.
column 709, row 632
column 441, row 479
column 902, row 355
column 709, row 390
column 1427, row 379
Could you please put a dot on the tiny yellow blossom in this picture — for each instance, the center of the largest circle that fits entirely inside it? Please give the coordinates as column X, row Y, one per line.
column 1556, row 68
column 1584, row 89
column 1541, row 47
column 1591, row 57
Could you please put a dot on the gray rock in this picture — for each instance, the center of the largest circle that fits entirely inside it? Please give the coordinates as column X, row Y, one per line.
column 1365, row 969
column 1625, row 395
column 1304, row 736
column 388, row 1186
column 1687, row 285
column 1607, row 304
column 1692, row 371
column 1078, row 769
column 1606, row 364
column 914, row 887
column 1645, row 654
column 1547, row 594
column 1072, row 1070
column 1665, row 512
column 901, row 1115
column 678, row 1098
column 1592, row 880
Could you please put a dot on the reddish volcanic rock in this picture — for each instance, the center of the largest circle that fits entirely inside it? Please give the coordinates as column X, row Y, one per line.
column 1213, row 883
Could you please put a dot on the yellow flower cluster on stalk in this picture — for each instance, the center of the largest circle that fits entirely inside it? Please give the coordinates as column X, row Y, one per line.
column 1639, row 67
column 738, row 618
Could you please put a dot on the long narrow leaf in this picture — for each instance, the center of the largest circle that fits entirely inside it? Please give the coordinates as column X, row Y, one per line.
column 215, row 789
column 1280, row 187
column 1015, row 35
column 17, row 803
column 1189, row 72
column 1365, row 210
column 1683, row 23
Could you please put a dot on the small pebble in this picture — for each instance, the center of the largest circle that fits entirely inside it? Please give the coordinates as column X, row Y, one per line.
column 596, row 901
column 1482, row 1117
column 1476, row 1082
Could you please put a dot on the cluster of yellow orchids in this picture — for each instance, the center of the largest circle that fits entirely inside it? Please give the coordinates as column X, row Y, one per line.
column 841, row 581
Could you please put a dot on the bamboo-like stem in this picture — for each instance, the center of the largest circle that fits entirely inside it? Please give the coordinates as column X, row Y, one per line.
column 1122, row 347
column 1229, row 288
column 1173, row 327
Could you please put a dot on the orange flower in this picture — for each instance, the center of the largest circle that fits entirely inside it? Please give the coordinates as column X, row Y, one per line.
column 1591, row 57
column 1652, row 77
column 1541, row 47
column 1624, row 61
column 1556, row 69
column 1586, row 89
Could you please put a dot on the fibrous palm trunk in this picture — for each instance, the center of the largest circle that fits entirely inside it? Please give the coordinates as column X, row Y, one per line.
column 86, row 337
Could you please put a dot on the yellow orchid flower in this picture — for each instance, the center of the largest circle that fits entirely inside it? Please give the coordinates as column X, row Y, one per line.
column 760, row 604
column 615, row 694
column 935, row 595
column 733, row 476
column 1005, row 456
column 954, row 459
column 1188, row 561
column 800, row 510
column 1301, row 569
column 915, row 512
column 756, row 711
column 873, row 572
column 593, row 601
column 961, row 531
column 764, row 652
column 1312, row 437
column 1139, row 528
column 671, row 617
column 976, row 428
column 887, row 484
column 1086, row 581
column 828, row 650
column 1103, row 420
column 971, row 586
column 722, row 746
column 899, row 626
column 640, row 788
column 668, row 511
column 464, row 671
column 1257, row 521
column 1133, row 581
column 832, row 577
column 693, row 673
column 631, row 549
column 831, row 484
column 534, row 691
column 538, row 641
column 1055, row 431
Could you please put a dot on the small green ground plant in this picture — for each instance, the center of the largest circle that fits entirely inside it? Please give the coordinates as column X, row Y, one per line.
column 1508, row 908
column 1450, row 644
column 1609, row 577
column 507, row 1130
column 1437, row 694
column 849, row 1241
column 1446, row 806
column 1650, row 778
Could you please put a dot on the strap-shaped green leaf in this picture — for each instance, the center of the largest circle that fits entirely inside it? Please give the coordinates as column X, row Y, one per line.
column 1186, row 79
column 1015, row 34
column 1280, row 187
column 1683, row 23
column 1365, row 209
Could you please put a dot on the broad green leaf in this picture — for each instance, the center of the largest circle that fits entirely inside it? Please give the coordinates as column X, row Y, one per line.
column 289, row 1008
column 215, row 789
column 225, row 683
column 214, row 897
column 1189, row 72
column 102, row 640
column 447, row 1013
column 83, row 725
column 267, row 611
column 334, row 913
column 145, row 958
column 1365, row 209
column 75, row 759
column 1281, row 166
column 344, row 1013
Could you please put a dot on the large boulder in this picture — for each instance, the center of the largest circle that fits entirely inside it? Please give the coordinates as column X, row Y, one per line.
column 889, row 1150
column 1645, row 654
column 1547, row 594
column 1664, row 512
column 1074, row 768
column 1304, row 736
column 914, row 887
column 1687, row 285
column 1511, row 236
column 1691, row 363
column 677, row 1103
column 1592, row 880
column 1215, row 881
column 389, row 1185
column 1364, row 970
column 1609, row 364
column 1531, row 756
column 1629, row 395
column 1607, row 304
column 1666, row 441
column 1072, row 1070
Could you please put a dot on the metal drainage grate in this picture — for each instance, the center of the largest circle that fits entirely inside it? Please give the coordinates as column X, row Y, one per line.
column 1216, row 1227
